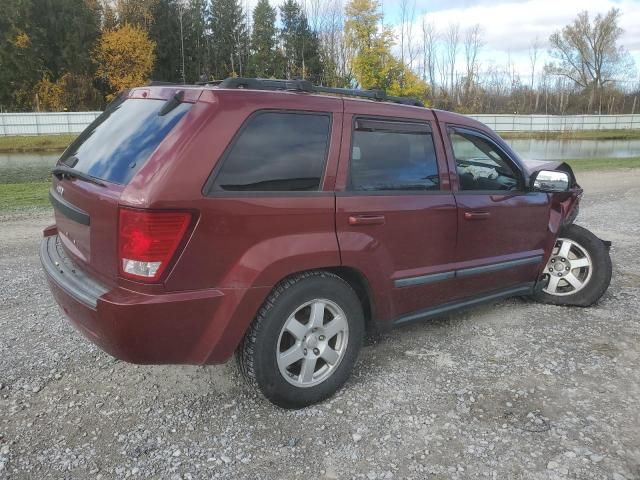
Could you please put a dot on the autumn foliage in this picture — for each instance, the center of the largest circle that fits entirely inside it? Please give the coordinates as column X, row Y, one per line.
column 124, row 57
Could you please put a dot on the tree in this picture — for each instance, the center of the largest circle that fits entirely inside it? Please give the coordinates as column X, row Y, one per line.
column 301, row 45
column 373, row 63
column 20, row 65
column 165, row 33
column 588, row 53
column 124, row 58
column 472, row 45
column 452, row 40
column 230, row 38
column 429, row 53
column 135, row 12
column 64, row 36
column 264, row 59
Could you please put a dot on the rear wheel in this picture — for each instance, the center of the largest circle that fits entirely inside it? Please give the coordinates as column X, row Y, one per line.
column 304, row 341
column 578, row 271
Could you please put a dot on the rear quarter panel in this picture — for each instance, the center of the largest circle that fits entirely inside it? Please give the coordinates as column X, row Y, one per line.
column 241, row 239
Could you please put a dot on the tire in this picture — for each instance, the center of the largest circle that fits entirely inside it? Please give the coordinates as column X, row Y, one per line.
column 300, row 304
column 567, row 281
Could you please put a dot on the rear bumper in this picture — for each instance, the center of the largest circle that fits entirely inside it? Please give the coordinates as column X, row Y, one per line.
column 194, row 327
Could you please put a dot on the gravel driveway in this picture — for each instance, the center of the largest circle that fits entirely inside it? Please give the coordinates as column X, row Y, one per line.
column 510, row 391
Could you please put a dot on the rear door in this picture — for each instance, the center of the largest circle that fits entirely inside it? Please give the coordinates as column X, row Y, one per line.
column 395, row 213
column 111, row 150
column 502, row 227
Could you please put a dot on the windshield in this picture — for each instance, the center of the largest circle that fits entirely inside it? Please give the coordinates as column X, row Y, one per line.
column 116, row 145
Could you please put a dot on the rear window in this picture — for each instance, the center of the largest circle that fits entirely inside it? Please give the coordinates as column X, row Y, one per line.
column 121, row 140
column 277, row 151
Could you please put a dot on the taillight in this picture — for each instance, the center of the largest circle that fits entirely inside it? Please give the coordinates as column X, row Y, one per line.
column 148, row 241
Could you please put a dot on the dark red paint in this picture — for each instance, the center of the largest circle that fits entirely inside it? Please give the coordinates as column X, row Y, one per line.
column 239, row 246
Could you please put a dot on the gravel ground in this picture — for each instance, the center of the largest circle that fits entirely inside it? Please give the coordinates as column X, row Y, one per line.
column 515, row 390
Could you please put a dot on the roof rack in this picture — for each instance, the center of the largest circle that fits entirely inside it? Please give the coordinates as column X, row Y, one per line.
column 307, row 86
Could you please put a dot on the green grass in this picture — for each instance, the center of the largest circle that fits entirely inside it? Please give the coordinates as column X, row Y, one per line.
column 17, row 196
column 20, row 196
column 574, row 135
column 603, row 163
column 35, row 143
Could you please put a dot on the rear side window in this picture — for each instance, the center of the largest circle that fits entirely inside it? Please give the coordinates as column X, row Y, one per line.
column 277, row 151
column 393, row 156
column 121, row 140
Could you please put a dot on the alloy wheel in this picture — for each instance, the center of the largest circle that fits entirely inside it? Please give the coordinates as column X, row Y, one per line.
column 312, row 343
column 569, row 268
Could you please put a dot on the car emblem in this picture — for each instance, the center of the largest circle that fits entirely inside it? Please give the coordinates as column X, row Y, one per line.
column 60, row 189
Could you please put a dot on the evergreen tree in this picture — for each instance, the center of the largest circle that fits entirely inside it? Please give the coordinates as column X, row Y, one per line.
column 301, row 45
column 197, row 41
column 165, row 32
column 20, row 65
column 229, row 38
column 265, row 59
column 63, row 33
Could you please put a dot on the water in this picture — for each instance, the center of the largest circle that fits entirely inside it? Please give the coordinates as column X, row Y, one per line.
column 571, row 149
column 26, row 167
column 31, row 167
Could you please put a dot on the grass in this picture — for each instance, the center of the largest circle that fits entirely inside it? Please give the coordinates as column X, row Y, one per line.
column 57, row 143
column 17, row 196
column 582, row 164
column 35, row 143
column 574, row 135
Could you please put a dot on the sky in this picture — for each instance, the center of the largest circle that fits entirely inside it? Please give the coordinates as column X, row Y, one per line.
column 510, row 26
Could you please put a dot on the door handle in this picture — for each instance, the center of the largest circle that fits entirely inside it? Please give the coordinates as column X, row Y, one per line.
column 366, row 219
column 476, row 215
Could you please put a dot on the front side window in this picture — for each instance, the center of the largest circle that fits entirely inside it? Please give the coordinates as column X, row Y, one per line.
column 277, row 151
column 480, row 164
column 393, row 156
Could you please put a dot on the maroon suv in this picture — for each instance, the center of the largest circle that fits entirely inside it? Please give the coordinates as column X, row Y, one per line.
column 280, row 222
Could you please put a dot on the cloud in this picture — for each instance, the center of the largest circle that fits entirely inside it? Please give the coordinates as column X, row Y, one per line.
column 513, row 26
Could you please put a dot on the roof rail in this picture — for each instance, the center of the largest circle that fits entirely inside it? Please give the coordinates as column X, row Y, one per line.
column 307, row 86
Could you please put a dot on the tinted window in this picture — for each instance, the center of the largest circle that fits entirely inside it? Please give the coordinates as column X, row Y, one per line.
column 277, row 151
column 480, row 164
column 393, row 160
column 120, row 141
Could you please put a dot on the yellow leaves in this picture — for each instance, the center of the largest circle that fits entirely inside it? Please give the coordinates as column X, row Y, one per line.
column 373, row 63
column 22, row 40
column 124, row 57
column 50, row 94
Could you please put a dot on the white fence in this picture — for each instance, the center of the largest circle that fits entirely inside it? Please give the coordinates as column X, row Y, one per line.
column 45, row 123
column 75, row 122
column 558, row 123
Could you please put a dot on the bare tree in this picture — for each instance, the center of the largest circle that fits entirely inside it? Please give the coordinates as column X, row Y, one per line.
column 429, row 38
column 472, row 45
column 452, row 41
column 588, row 53
column 534, row 52
column 408, row 52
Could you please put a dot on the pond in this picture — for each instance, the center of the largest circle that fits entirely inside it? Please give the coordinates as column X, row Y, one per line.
column 30, row 167
column 26, row 167
column 532, row 149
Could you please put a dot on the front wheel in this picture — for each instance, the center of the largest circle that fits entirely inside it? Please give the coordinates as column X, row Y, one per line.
column 578, row 271
column 304, row 341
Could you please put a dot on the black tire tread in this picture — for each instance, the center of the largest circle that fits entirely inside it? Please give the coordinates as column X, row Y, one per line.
column 601, row 277
column 245, row 352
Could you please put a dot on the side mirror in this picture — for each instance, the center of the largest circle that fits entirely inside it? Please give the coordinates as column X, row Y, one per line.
column 551, row 181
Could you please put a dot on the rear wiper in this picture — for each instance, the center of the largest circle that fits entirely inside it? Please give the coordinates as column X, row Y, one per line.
column 71, row 173
column 172, row 103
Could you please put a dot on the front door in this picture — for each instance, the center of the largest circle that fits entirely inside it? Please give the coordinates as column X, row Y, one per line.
column 502, row 227
column 396, row 215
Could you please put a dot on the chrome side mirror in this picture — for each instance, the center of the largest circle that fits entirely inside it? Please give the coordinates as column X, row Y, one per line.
column 550, row 181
